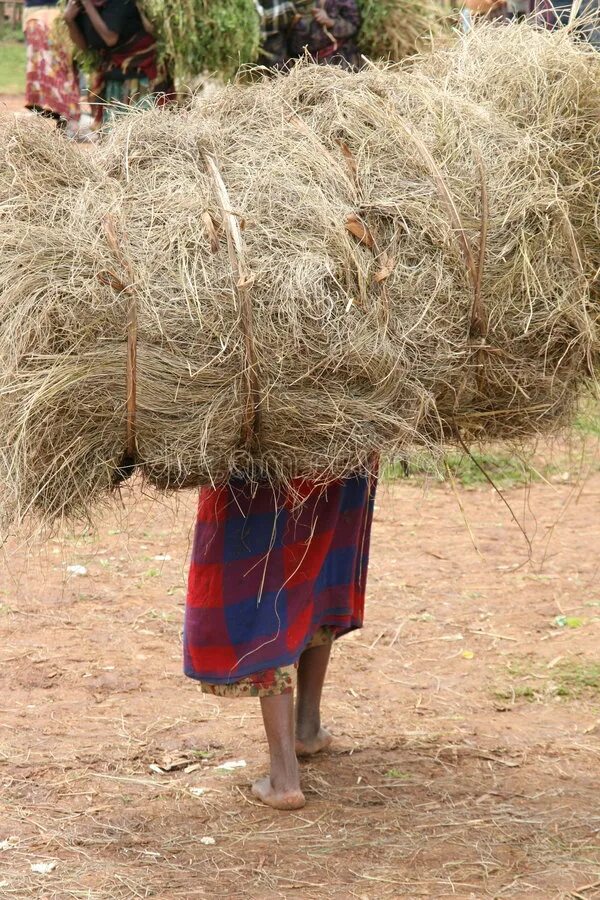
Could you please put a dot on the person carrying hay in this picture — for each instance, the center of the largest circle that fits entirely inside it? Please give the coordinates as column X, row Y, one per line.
column 128, row 69
column 276, row 576
column 324, row 29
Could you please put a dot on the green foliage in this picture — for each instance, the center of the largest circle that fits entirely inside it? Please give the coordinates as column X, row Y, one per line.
column 569, row 679
column 10, row 32
column 575, row 679
column 505, row 469
column 12, row 67
column 197, row 36
column 588, row 420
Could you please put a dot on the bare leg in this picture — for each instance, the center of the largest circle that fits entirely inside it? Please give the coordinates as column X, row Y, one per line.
column 281, row 788
column 310, row 737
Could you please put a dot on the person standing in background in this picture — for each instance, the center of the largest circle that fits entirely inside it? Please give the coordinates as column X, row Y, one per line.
column 51, row 86
column 324, row 29
column 559, row 12
column 128, row 67
column 275, row 18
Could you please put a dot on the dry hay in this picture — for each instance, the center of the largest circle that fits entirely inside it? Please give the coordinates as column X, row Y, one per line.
column 397, row 29
column 404, row 259
column 550, row 87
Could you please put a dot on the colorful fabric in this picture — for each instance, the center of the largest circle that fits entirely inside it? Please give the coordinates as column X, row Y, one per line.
column 272, row 682
column 275, row 18
column 554, row 14
column 289, row 30
column 268, row 572
column 126, row 75
column 51, row 85
column 275, row 15
column 118, row 95
column 332, row 44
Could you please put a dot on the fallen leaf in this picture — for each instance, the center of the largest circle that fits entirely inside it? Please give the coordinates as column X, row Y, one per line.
column 349, row 157
column 386, row 268
column 359, row 230
column 568, row 622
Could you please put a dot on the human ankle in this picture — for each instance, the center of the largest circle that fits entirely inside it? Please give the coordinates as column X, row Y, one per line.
column 285, row 776
column 308, row 724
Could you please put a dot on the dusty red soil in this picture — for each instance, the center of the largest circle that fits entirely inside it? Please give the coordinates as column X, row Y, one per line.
column 442, row 782
column 12, row 103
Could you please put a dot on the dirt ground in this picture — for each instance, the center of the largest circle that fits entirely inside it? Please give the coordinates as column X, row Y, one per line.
column 466, row 716
column 13, row 103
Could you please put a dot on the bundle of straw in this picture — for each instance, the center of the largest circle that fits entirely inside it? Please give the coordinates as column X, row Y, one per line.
column 195, row 36
column 291, row 277
column 397, row 29
column 550, row 88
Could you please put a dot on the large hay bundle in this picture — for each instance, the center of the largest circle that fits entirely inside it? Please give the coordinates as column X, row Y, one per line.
column 198, row 36
column 314, row 269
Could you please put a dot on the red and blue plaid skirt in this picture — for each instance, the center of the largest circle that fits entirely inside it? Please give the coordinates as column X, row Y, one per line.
column 268, row 572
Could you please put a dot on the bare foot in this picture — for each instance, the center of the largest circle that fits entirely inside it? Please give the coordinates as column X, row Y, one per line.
column 264, row 791
column 307, row 747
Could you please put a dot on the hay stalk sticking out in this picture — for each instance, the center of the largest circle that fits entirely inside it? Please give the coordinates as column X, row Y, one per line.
column 323, row 267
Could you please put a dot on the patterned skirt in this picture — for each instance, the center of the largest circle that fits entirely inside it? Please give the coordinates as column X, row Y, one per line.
column 119, row 94
column 51, row 85
column 271, row 576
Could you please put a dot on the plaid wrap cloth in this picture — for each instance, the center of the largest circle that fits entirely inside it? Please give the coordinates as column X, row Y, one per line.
column 268, row 572
column 289, row 30
column 275, row 16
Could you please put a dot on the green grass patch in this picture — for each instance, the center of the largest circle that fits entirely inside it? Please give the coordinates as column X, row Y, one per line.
column 588, row 421
column 10, row 32
column 503, row 468
column 12, row 67
column 507, row 468
column 569, row 679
